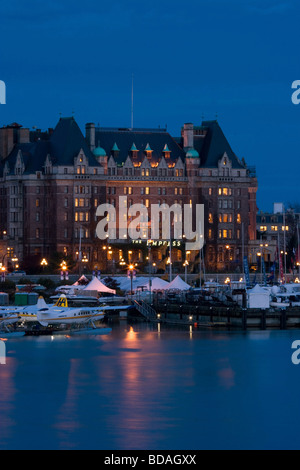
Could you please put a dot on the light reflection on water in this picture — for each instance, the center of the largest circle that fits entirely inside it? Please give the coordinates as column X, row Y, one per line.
column 151, row 387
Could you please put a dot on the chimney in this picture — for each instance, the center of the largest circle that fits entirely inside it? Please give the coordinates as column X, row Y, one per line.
column 90, row 134
column 23, row 137
column 6, row 141
column 188, row 136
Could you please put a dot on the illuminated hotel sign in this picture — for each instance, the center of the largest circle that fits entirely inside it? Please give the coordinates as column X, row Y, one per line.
column 159, row 243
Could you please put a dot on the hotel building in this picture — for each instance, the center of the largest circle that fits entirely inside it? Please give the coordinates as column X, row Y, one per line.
column 52, row 182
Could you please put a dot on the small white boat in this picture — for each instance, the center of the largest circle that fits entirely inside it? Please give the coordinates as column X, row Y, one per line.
column 285, row 300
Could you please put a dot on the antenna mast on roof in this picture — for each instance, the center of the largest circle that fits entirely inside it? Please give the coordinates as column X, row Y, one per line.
column 132, row 103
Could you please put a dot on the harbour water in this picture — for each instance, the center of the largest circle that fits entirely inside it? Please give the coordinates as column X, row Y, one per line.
column 152, row 388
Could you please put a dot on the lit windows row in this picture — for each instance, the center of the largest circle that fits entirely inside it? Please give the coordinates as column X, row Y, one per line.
column 224, row 234
column 146, row 190
column 225, row 192
column 274, row 228
column 82, row 217
column 81, row 202
column 225, row 218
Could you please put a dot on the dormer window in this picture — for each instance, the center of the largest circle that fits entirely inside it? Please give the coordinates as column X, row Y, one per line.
column 148, row 152
column 48, row 165
column 19, row 166
column 167, row 152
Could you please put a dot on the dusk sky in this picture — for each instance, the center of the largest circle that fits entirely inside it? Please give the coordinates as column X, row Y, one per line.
column 193, row 59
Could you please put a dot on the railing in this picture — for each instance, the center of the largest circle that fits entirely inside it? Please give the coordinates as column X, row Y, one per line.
column 148, row 312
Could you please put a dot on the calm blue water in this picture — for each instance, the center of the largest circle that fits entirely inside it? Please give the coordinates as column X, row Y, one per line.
column 139, row 388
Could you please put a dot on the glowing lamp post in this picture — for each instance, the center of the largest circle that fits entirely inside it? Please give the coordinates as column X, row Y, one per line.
column 131, row 268
column 44, row 263
column 185, row 265
column 64, row 271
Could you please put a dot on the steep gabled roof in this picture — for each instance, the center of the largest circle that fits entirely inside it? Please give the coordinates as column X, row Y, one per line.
column 67, row 141
column 63, row 146
column 212, row 147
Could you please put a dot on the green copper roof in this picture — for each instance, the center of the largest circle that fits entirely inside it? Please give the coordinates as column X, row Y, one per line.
column 99, row 152
column 115, row 148
column 148, row 148
column 192, row 153
column 166, row 148
column 133, row 148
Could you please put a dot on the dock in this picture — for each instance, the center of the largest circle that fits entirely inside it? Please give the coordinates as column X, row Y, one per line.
column 231, row 316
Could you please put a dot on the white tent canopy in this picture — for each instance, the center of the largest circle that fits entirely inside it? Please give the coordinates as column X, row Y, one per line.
column 258, row 297
column 157, row 284
column 125, row 283
column 178, row 284
column 82, row 281
column 96, row 285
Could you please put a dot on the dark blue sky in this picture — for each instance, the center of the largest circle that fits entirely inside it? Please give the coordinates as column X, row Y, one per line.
column 234, row 58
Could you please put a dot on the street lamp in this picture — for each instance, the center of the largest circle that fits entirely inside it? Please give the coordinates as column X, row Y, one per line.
column 3, row 269
column 44, row 263
column 185, row 265
column 85, row 261
column 64, row 271
column 131, row 268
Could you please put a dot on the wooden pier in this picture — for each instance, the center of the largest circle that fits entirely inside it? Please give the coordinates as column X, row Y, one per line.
column 230, row 316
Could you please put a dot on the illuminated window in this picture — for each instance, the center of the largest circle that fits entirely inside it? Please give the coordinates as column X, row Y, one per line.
column 285, row 228
column 147, row 191
column 210, row 218
column 274, row 228
column 239, row 218
column 263, row 228
column 37, row 203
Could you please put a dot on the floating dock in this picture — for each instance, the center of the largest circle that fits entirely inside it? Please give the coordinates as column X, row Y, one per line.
column 220, row 317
